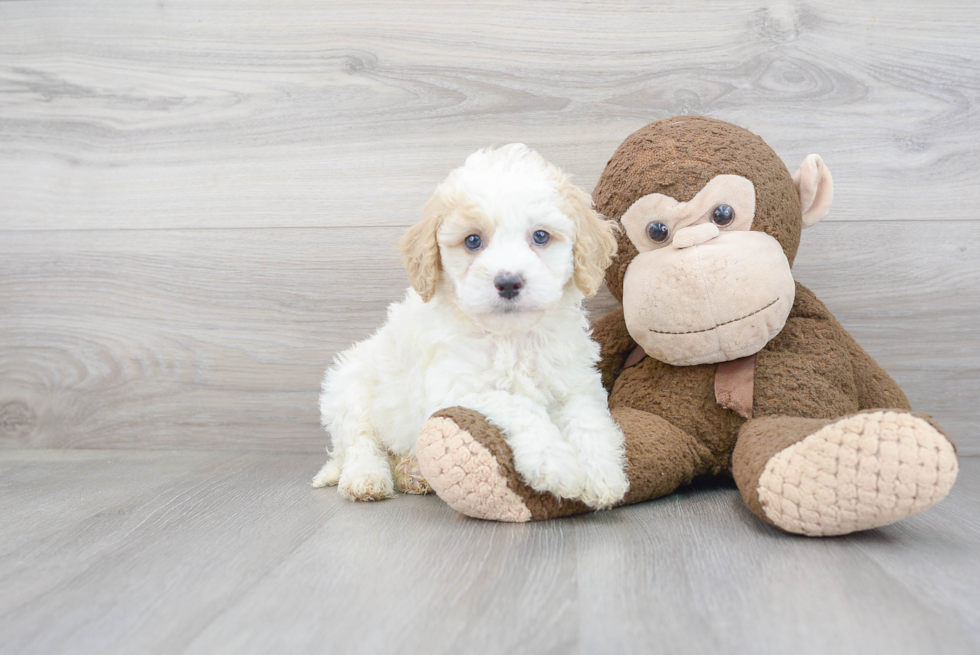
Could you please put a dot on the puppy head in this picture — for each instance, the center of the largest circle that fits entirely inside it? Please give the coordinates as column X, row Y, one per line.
column 506, row 236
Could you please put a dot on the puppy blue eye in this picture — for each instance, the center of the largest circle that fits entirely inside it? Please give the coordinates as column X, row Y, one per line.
column 723, row 215
column 658, row 232
column 473, row 242
column 541, row 237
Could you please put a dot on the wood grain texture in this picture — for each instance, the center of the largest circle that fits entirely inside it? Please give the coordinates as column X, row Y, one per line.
column 119, row 114
column 218, row 338
column 195, row 552
column 130, row 547
column 198, row 203
column 198, row 199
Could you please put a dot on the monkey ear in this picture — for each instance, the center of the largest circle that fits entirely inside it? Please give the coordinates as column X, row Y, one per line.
column 420, row 251
column 595, row 241
column 816, row 189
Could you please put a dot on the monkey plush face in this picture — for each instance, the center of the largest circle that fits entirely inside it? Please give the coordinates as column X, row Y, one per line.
column 705, row 276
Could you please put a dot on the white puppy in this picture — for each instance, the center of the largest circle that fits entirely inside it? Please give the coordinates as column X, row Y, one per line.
column 505, row 252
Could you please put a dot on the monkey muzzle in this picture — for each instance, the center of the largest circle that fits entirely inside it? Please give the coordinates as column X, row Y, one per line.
column 708, row 297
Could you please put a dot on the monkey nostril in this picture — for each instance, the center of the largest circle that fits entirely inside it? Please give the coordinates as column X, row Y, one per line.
column 508, row 285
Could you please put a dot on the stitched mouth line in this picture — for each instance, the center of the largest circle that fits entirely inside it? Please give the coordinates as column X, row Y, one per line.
column 720, row 324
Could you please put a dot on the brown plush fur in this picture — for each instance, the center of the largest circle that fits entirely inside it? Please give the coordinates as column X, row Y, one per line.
column 811, row 374
column 808, row 370
column 677, row 157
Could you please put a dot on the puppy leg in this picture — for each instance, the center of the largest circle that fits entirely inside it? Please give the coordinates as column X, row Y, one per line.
column 359, row 465
column 329, row 475
column 541, row 456
column 587, row 425
column 366, row 473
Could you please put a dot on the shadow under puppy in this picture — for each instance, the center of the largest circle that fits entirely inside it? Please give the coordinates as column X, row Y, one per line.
column 506, row 250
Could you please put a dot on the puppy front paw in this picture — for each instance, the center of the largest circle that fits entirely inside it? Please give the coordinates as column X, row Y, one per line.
column 555, row 469
column 366, row 485
column 605, row 483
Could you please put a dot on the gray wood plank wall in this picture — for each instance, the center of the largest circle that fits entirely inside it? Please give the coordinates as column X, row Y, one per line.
column 198, row 200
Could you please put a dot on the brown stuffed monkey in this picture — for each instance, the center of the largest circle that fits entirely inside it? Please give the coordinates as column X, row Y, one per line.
column 718, row 362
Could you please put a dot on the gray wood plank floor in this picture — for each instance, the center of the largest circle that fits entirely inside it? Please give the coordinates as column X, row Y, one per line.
column 222, row 552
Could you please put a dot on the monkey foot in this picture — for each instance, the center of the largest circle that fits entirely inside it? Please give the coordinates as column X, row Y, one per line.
column 465, row 474
column 863, row 471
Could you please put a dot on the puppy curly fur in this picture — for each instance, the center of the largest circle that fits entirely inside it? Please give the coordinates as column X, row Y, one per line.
column 525, row 362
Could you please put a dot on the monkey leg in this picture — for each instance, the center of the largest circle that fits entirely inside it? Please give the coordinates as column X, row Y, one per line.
column 466, row 461
column 822, row 477
column 660, row 457
column 469, row 465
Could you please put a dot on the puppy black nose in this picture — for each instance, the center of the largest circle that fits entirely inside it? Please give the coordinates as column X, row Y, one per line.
column 508, row 285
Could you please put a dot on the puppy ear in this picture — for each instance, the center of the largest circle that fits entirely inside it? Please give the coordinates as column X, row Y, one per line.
column 595, row 241
column 420, row 251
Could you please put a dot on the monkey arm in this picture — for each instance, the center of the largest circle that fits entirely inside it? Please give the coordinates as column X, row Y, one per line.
column 616, row 343
column 876, row 389
column 811, row 321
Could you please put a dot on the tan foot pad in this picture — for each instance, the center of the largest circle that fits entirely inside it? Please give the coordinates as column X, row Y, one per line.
column 862, row 472
column 465, row 474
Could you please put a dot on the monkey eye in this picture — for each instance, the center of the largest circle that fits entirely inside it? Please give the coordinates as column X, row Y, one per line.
column 723, row 215
column 541, row 237
column 473, row 242
column 658, row 232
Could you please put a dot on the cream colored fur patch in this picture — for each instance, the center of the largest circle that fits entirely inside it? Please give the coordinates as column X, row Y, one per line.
column 408, row 476
column 862, row 472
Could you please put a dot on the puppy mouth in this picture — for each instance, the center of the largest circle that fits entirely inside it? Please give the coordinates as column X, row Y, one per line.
column 514, row 307
column 714, row 327
column 510, row 307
